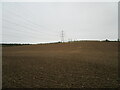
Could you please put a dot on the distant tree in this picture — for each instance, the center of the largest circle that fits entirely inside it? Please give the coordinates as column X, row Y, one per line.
column 118, row 40
column 107, row 40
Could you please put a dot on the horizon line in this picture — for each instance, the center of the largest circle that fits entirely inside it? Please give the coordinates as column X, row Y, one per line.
column 107, row 40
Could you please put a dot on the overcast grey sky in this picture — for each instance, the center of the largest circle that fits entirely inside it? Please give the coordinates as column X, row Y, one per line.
column 29, row 22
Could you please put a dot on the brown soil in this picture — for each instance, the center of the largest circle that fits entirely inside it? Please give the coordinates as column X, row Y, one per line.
column 62, row 65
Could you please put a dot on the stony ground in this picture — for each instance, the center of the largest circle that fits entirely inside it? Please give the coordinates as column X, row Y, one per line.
column 62, row 65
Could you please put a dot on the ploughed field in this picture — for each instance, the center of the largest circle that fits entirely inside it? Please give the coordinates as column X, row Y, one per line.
column 62, row 65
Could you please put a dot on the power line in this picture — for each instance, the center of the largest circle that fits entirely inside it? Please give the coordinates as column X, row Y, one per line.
column 32, row 23
column 31, row 27
column 32, row 30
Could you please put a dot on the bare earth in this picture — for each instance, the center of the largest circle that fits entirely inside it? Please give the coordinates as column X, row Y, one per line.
column 62, row 65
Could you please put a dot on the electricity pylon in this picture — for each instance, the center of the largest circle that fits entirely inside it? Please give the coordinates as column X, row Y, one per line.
column 62, row 36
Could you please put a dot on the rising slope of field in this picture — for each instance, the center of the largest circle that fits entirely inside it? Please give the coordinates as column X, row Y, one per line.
column 62, row 65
